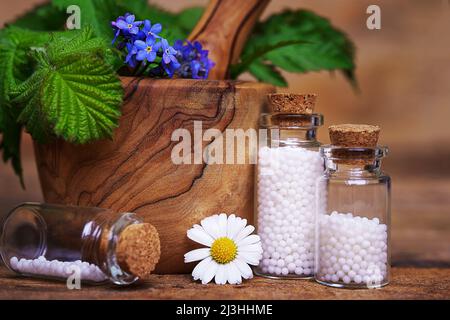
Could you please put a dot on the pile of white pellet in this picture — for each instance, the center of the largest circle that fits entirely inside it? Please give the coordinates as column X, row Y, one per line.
column 352, row 249
column 286, row 209
column 55, row 268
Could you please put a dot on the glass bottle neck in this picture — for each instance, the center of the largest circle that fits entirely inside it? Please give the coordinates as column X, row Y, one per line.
column 299, row 137
column 292, row 130
column 353, row 162
column 353, row 168
column 99, row 241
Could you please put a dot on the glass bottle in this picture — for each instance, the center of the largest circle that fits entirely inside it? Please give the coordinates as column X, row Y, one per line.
column 353, row 221
column 288, row 166
column 55, row 241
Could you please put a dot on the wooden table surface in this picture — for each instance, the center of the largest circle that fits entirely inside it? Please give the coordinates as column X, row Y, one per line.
column 420, row 259
column 407, row 283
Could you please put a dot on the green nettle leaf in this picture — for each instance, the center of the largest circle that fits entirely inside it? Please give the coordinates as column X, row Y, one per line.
column 14, row 67
column 325, row 47
column 33, row 115
column 73, row 93
column 14, row 61
column 61, row 49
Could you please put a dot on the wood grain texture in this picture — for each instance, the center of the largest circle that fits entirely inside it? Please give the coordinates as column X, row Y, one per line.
column 134, row 171
column 224, row 29
column 407, row 283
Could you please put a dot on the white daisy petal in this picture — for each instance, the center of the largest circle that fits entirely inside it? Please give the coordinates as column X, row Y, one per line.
column 199, row 227
column 249, row 240
column 252, row 248
column 210, row 272
column 232, row 227
column 247, row 231
column 230, row 224
column 200, row 268
column 196, row 255
column 211, row 227
column 244, row 268
column 234, row 275
column 221, row 274
column 222, row 223
column 199, row 235
column 239, row 226
column 250, row 258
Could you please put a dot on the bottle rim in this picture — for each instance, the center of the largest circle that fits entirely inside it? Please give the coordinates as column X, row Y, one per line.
column 332, row 152
column 114, row 271
column 291, row 120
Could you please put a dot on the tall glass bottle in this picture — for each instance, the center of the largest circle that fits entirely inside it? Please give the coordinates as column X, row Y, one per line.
column 287, row 169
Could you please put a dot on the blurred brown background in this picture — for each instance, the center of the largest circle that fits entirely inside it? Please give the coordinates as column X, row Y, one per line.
column 403, row 72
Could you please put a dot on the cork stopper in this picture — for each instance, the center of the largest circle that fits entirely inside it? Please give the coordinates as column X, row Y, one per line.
column 288, row 105
column 292, row 103
column 354, row 135
column 138, row 249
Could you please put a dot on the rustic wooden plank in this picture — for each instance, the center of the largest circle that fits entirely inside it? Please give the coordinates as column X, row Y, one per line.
column 407, row 283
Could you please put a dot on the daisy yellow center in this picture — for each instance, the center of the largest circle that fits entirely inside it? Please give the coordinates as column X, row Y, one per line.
column 223, row 250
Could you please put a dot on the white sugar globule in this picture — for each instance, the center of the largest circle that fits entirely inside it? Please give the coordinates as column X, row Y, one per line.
column 352, row 250
column 57, row 269
column 286, row 189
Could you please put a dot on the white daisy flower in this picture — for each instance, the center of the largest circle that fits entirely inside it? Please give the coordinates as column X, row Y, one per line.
column 230, row 249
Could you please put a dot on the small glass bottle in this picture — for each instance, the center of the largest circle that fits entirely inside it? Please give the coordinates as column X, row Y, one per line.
column 353, row 221
column 55, row 242
column 287, row 169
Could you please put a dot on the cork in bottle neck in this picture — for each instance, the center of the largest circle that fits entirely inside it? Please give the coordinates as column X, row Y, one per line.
column 294, row 118
column 123, row 246
column 138, row 249
column 354, row 149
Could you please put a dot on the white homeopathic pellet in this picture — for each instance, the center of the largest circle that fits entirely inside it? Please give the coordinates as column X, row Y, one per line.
column 352, row 249
column 55, row 268
column 286, row 190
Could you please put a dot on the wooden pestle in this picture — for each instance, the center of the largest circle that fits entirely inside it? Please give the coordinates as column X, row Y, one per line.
column 223, row 30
